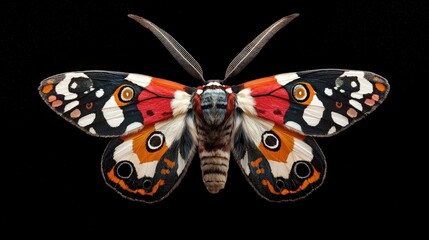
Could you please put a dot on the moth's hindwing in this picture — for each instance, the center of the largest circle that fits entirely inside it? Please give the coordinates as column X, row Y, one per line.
column 316, row 102
column 280, row 164
column 103, row 103
column 147, row 165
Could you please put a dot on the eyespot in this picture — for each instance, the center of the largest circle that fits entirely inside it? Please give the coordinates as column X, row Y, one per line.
column 271, row 141
column 300, row 92
column 89, row 105
column 147, row 184
column 124, row 169
column 280, row 183
column 126, row 93
column 302, row 169
column 155, row 141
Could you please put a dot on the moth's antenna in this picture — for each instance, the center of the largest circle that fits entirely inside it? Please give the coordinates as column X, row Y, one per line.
column 252, row 49
column 179, row 53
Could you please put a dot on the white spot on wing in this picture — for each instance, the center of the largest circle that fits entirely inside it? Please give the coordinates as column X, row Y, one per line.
column 133, row 127
column 245, row 164
column 339, row 119
column 313, row 113
column 286, row 78
column 246, row 102
column 365, row 85
column 279, row 169
column 353, row 84
column 92, row 130
column 356, row 104
column 301, row 152
column 99, row 93
column 71, row 105
column 139, row 79
column 86, row 120
column 63, row 86
column 73, row 85
column 294, row 126
column 180, row 103
column 125, row 152
column 113, row 113
column 328, row 91
column 181, row 164
column 332, row 130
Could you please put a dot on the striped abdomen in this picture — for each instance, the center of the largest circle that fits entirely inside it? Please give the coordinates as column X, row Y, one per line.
column 214, row 150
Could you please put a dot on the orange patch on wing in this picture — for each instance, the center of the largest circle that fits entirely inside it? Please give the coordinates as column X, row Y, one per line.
column 123, row 185
column 304, row 185
column 260, row 171
column 47, row 88
column 167, row 84
column 256, row 162
column 261, row 82
column 169, row 163
column 380, row 87
column 286, row 144
column 139, row 145
column 165, row 171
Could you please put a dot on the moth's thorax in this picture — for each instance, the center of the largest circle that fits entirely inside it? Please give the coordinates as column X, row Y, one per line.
column 214, row 103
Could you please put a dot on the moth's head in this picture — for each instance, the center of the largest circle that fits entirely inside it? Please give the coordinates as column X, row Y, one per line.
column 214, row 103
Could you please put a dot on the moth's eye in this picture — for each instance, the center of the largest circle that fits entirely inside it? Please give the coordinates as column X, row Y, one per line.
column 124, row 169
column 155, row 141
column 126, row 94
column 271, row 141
column 302, row 169
column 300, row 92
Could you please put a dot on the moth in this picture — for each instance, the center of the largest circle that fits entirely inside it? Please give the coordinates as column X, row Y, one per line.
column 267, row 124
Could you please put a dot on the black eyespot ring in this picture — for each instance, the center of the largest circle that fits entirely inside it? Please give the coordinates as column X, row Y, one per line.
column 124, row 169
column 147, row 184
column 126, row 93
column 271, row 140
column 280, row 183
column 302, row 169
column 300, row 92
column 155, row 141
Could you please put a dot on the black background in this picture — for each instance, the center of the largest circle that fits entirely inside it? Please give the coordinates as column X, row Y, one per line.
column 376, row 181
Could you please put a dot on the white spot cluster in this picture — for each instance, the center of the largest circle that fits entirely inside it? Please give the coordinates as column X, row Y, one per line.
column 365, row 85
column 62, row 87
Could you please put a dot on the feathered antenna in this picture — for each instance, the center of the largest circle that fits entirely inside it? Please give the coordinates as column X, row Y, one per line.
column 252, row 49
column 178, row 51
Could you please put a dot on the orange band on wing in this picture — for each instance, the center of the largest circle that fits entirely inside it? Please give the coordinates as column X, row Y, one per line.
column 123, row 185
column 304, row 185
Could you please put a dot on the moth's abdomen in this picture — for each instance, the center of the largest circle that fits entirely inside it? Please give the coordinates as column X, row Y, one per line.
column 214, row 147
column 214, row 167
